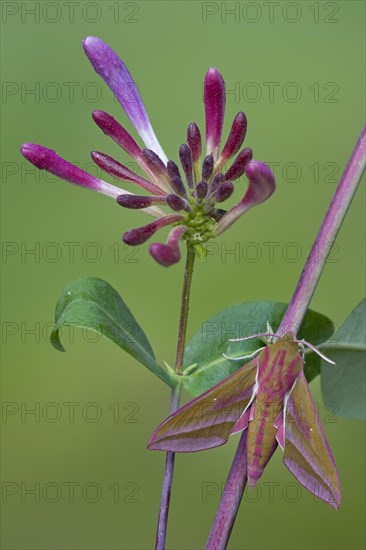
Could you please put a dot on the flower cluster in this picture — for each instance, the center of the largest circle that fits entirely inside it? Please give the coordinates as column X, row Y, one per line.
column 191, row 192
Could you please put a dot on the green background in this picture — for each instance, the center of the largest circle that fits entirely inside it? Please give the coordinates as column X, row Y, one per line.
column 168, row 48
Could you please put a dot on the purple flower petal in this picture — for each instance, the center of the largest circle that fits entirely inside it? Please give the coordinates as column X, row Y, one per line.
column 47, row 159
column 140, row 235
column 261, row 186
column 185, row 156
column 169, row 253
column 237, row 169
column 178, row 186
column 201, row 190
column 214, row 99
column 207, row 167
column 223, row 192
column 216, row 182
column 175, row 180
column 116, row 75
column 235, row 139
column 138, row 201
column 173, row 170
column 177, row 203
column 194, row 141
column 156, row 166
column 118, row 170
column 114, row 130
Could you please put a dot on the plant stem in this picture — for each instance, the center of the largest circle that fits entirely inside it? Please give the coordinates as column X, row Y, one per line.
column 184, row 307
column 328, row 231
column 230, row 499
column 167, row 482
column 174, row 404
column 292, row 319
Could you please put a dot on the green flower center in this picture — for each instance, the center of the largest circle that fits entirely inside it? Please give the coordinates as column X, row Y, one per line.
column 200, row 225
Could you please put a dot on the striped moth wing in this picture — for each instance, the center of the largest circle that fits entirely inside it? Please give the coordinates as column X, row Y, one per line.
column 306, row 450
column 208, row 420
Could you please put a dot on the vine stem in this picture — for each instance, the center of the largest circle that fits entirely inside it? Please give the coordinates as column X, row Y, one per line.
column 231, row 498
column 235, row 484
column 325, row 238
column 174, row 404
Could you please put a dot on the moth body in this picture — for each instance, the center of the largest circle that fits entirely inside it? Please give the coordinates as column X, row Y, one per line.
column 278, row 369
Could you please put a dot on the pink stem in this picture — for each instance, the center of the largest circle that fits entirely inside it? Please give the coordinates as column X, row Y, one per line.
column 326, row 236
column 167, row 482
column 230, row 500
column 229, row 505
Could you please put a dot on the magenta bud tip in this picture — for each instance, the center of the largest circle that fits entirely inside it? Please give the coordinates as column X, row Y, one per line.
column 164, row 254
column 37, row 154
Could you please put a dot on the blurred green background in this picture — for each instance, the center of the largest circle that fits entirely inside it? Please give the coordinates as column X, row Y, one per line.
column 311, row 56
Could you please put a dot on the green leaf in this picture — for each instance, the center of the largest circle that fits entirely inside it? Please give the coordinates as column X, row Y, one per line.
column 92, row 303
column 345, row 384
column 201, row 252
column 208, row 345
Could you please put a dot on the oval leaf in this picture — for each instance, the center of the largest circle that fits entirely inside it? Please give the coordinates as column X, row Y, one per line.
column 204, row 362
column 344, row 385
column 93, row 304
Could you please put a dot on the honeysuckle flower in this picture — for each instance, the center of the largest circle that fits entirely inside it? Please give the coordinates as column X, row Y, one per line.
column 191, row 192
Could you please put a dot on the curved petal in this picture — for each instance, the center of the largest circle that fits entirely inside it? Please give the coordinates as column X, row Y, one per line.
column 169, row 253
column 261, row 186
column 116, row 75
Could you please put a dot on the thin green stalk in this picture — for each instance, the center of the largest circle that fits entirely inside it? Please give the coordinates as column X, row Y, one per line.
column 174, row 405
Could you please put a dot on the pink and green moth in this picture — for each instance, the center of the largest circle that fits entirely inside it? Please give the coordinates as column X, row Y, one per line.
column 270, row 398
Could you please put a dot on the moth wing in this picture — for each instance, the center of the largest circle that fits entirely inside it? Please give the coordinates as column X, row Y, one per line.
column 207, row 420
column 307, row 453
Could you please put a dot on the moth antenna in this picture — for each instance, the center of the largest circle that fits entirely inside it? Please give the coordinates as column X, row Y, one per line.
column 254, row 336
column 244, row 356
column 316, row 351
